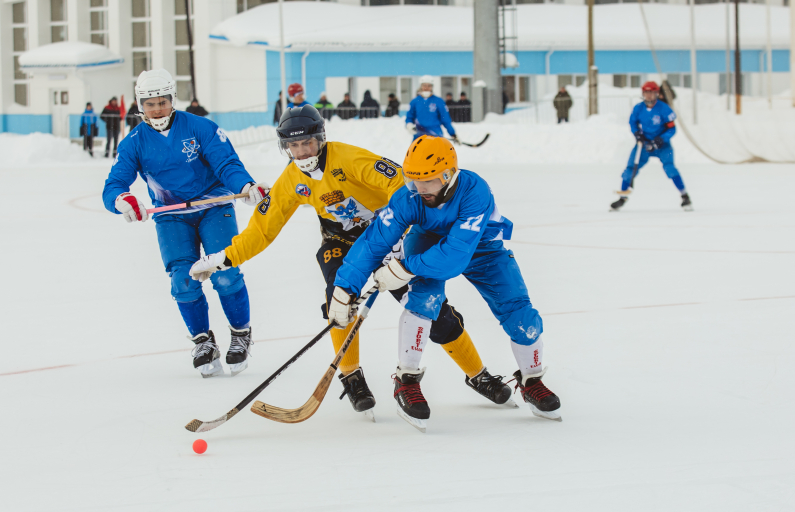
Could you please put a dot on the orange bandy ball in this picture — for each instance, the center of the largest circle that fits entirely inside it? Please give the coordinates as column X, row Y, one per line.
column 200, row 446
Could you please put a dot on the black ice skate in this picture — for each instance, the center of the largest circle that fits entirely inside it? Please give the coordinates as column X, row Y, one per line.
column 686, row 204
column 206, row 355
column 614, row 207
column 239, row 350
column 492, row 387
column 359, row 394
column 543, row 402
column 412, row 406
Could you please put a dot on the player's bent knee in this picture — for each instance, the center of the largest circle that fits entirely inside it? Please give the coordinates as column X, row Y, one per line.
column 183, row 288
column 227, row 282
column 448, row 327
column 524, row 326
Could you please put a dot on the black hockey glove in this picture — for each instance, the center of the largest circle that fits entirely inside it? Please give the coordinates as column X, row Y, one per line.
column 655, row 144
column 639, row 137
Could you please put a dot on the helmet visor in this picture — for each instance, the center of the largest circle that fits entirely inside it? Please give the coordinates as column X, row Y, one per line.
column 156, row 107
column 430, row 187
column 304, row 146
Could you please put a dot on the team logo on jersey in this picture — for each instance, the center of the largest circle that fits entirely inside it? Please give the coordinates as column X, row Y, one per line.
column 303, row 190
column 655, row 119
column 432, row 107
column 191, row 148
column 349, row 212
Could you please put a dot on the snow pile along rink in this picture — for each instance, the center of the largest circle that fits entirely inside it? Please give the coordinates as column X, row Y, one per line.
column 38, row 149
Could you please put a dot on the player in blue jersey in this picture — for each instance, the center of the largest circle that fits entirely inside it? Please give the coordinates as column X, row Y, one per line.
column 295, row 93
column 652, row 124
column 428, row 113
column 182, row 157
column 456, row 229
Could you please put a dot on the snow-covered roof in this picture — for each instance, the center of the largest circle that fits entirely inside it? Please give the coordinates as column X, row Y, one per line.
column 69, row 55
column 327, row 26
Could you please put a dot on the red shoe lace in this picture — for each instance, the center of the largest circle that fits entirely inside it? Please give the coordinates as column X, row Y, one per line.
column 537, row 391
column 412, row 392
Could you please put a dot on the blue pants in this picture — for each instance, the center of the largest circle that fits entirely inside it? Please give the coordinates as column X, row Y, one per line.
column 433, row 131
column 179, row 237
column 665, row 154
column 497, row 278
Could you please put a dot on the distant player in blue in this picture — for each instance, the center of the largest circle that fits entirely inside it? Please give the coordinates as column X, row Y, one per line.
column 652, row 124
column 456, row 229
column 428, row 113
column 182, row 157
column 295, row 95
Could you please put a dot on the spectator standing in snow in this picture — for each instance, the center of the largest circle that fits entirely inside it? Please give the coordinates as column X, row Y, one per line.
column 277, row 110
column 88, row 128
column 465, row 109
column 132, row 117
column 562, row 104
column 346, row 109
column 295, row 96
column 196, row 109
column 452, row 107
column 111, row 115
column 369, row 108
column 393, row 107
column 324, row 106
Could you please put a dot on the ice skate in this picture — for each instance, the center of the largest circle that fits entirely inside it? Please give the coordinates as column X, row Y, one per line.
column 614, row 207
column 412, row 406
column 543, row 402
column 686, row 204
column 492, row 387
column 206, row 356
column 239, row 350
column 358, row 393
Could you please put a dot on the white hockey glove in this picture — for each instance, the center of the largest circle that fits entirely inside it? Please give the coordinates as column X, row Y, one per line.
column 411, row 128
column 255, row 193
column 392, row 276
column 203, row 269
column 340, row 308
column 131, row 208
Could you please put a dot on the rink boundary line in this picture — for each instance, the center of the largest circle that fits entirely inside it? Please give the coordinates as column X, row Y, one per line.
column 146, row 354
column 73, row 203
column 709, row 251
column 664, row 305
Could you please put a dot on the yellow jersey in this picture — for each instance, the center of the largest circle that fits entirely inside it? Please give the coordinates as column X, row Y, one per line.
column 347, row 189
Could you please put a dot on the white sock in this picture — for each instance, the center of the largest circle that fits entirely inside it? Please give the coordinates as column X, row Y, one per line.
column 529, row 357
column 413, row 333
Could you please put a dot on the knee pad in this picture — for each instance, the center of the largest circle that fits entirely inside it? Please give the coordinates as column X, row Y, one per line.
column 183, row 288
column 524, row 326
column 448, row 326
column 228, row 281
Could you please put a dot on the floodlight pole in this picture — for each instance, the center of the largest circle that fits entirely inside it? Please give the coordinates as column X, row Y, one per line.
column 693, row 66
column 593, row 72
column 738, row 70
column 728, row 59
column 769, row 59
column 190, row 50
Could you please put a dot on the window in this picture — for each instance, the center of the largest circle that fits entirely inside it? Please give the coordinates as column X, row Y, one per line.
column 141, row 37
column 20, row 44
column 406, row 93
column 448, row 86
column 98, row 14
column 58, row 28
column 387, row 85
column 509, row 87
column 634, row 81
column 404, row 2
column 524, row 88
column 564, row 80
column 619, row 81
column 183, row 78
column 579, row 80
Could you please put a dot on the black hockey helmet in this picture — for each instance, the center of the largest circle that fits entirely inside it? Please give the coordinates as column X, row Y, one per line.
column 301, row 123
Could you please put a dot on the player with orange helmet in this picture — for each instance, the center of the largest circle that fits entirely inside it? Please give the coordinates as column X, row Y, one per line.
column 456, row 229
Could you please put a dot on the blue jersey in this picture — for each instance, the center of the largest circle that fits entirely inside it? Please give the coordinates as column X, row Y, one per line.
column 429, row 115
column 468, row 223
column 290, row 104
column 194, row 161
column 657, row 121
column 88, row 119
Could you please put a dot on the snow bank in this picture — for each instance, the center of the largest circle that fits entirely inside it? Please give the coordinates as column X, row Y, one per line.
column 68, row 54
column 38, row 149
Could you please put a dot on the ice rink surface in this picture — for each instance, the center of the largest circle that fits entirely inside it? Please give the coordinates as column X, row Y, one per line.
column 668, row 335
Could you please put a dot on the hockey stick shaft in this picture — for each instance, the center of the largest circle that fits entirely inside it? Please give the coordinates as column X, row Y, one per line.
column 188, row 204
column 204, row 426
column 478, row 144
column 311, row 406
column 638, row 149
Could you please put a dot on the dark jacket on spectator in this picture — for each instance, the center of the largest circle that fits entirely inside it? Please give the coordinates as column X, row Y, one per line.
column 465, row 111
column 112, row 117
column 562, row 104
column 326, row 108
column 346, row 110
column 392, row 108
column 277, row 112
column 455, row 112
column 370, row 107
column 132, row 117
column 198, row 110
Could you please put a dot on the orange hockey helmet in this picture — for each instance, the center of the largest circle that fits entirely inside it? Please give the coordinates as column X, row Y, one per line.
column 429, row 159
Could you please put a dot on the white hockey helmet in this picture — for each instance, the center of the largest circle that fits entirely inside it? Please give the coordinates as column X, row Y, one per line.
column 426, row 79
column 156, row 83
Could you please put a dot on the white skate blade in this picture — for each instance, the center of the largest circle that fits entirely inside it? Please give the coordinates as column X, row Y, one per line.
column 238, row 367
column 414, row 422
column 548, row 415
column 510, row 404
column 211, row 369
column 369, row 415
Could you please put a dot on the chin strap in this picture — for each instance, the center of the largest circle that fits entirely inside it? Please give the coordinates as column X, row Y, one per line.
column 165, row 126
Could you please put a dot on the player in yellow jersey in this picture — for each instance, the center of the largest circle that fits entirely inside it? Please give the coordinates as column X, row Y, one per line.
column 347, row 186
